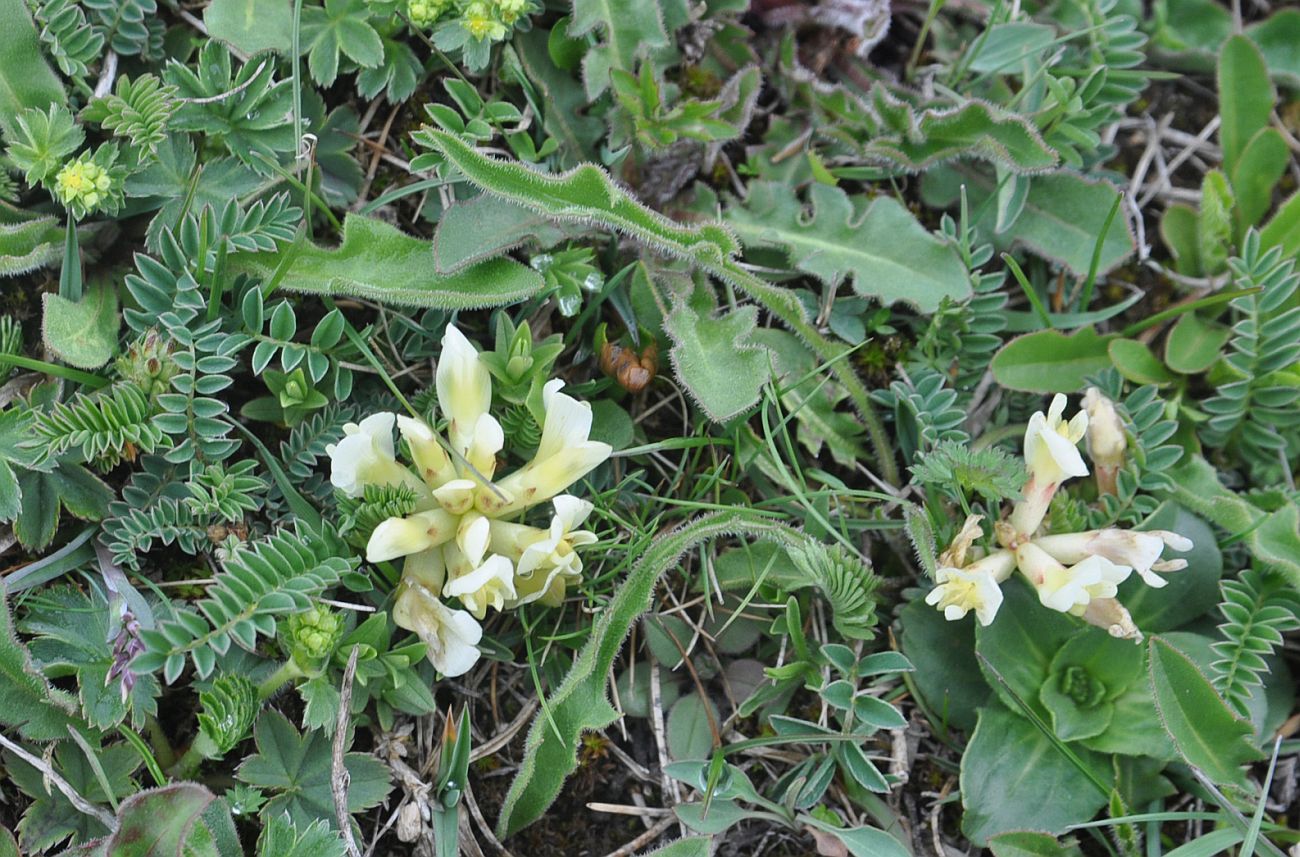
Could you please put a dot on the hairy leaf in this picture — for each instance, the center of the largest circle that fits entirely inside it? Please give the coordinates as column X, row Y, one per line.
column 581, row 703
column 476, row 229
column 82, row 334
column 380, row 262
column 717, row 359
column 1203, row 727
column 27, row 242
column 251, row 26
column 632, row 29
column 587, row 194
column 915, row 140
column 38, row 711
column 26, row 79
column 879, row 245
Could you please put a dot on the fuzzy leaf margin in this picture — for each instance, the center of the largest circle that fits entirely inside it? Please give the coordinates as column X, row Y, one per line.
column 380, row 262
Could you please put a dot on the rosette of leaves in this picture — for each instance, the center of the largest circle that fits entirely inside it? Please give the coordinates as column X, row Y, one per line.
column 229, row 708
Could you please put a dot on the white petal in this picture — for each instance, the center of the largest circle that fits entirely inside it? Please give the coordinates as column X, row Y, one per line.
column 430, row 458
column 571, row 511
column 456, row 496
column 464, row 387
column 472, row 537
column 567, row 422
column 1065, row 454
column 403, row 536
column 380, row 427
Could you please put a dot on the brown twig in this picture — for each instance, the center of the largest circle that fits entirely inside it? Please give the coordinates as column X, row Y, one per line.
column 84, row 806
column 339, row 777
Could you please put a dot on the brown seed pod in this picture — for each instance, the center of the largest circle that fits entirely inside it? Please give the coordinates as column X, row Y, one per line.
column 633, row 371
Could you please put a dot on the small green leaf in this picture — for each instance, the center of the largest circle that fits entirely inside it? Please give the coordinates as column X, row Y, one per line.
column 82, row 334
column 1261, row 165
column 1202, row 726
column 380, row 262
column 688, row 731
column 251, row 26
column 1195, row 344
column 1283, row 230
column 1178, row 229
column 297, row 766
column 1276, row 37
column 1049, row 361
column 1024, row 843
column 1214, row 223
column 717, row 360
column 1137, row 363
column 1246, row 97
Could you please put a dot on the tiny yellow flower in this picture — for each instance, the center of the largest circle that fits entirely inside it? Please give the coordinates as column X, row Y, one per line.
column 481, row 23
column 82, row 183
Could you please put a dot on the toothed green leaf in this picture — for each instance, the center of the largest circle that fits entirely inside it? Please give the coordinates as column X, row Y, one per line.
column 380, row 262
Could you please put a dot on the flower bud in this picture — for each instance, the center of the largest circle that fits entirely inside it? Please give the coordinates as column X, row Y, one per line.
column 1106, row 439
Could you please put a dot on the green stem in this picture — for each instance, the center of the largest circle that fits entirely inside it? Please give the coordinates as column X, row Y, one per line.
column 287, row 672
column 162, row 748
column 65, row 372
column 786, row 307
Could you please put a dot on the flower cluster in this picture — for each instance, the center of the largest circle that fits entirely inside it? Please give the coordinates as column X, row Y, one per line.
column 462, row 539
column 489, row 20
column 85, row 185
column 1076, row 573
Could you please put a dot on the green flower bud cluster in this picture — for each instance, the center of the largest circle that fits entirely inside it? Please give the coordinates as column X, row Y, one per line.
column 425, row 13
column 147, row 362
column 313, row 636
column 84, row 185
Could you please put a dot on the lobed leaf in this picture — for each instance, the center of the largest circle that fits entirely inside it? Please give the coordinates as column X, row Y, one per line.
column 380, row 262
column 877, row 245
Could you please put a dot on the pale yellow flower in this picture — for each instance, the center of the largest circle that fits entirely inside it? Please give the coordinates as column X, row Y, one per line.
column 976, row 587
column 450, row 636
